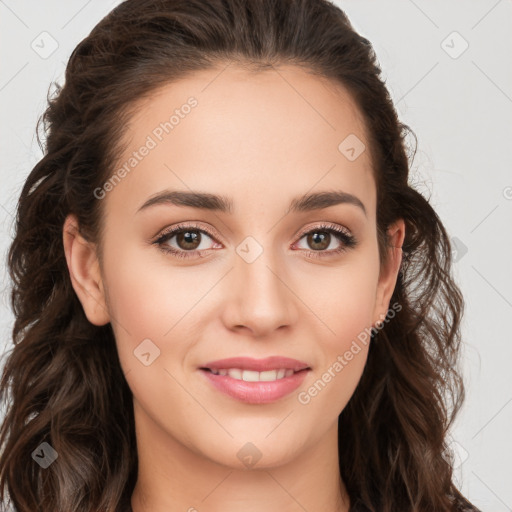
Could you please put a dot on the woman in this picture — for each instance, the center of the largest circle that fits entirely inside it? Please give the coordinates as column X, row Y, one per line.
column 227, row 295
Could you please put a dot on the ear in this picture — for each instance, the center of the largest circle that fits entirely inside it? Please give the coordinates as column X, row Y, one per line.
column 84, row 271
column 389, row 271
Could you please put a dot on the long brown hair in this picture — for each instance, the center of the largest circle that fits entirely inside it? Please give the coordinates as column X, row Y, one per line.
column 62, row 381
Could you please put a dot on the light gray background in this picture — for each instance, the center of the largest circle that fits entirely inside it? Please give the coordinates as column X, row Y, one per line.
column 458, row 104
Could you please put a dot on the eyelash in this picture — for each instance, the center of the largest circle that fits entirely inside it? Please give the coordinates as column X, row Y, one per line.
column 348, row 240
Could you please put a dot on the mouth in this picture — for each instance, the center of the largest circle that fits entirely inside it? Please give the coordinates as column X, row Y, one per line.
column 257, row 365
column 254, row 376
column 256, row 381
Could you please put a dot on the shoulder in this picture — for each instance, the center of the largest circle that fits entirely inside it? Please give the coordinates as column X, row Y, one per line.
column 464, row 506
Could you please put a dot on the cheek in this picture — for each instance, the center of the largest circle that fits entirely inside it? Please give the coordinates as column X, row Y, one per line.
column 135, row 302
column 148, row 296
column 146, row 310
column 152, row 301
column 342, row 298
column 344, row 305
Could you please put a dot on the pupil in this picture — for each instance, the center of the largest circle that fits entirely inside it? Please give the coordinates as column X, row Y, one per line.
column 320, row 237
column 188, row 238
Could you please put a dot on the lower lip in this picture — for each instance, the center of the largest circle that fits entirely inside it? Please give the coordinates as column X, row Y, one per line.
column 256, row 392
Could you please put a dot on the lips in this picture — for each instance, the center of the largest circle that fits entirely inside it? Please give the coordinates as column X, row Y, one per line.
column 256, row 381
column 257, row 365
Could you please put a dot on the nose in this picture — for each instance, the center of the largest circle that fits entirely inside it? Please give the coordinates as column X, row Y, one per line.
column 259, row 298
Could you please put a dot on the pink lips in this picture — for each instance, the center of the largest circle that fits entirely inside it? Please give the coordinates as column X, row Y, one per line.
column 258, row 365
column 260, row 392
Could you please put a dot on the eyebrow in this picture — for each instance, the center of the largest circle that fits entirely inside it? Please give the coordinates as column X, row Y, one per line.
column 213, row 202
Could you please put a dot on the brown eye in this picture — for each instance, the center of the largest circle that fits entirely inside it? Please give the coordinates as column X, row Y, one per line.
column 188, row 240
column 319, row 240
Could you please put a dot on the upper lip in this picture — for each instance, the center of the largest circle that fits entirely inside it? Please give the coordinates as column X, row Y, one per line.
column 258, row 365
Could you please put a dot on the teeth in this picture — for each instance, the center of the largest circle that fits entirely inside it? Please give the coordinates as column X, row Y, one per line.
column 253, row 376
column 249, row 376
column 235, row 373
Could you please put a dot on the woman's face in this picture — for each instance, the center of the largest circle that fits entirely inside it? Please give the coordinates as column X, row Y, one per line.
column 255, row 274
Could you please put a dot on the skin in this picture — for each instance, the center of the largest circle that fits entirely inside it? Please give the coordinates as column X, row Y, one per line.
column 260, row 139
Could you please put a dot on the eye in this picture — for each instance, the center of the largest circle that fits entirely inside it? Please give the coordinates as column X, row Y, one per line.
column 192, row 240
column 324, row 236
column 189, row 240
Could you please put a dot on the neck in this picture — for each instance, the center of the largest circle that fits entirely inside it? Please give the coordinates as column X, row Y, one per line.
column 172, row 478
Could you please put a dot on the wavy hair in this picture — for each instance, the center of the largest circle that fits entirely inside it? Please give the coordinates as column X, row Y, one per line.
column 62, row 382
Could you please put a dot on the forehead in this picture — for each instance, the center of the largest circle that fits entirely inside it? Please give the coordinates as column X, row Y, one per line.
column 237, row 132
